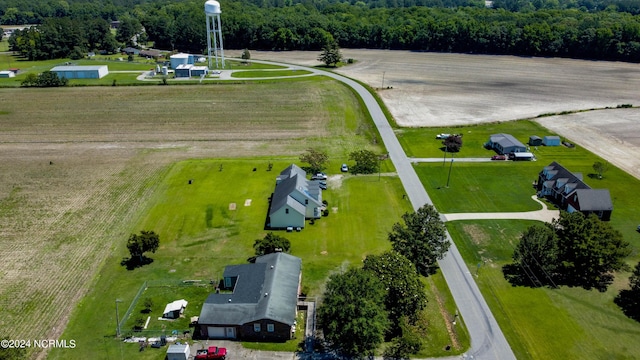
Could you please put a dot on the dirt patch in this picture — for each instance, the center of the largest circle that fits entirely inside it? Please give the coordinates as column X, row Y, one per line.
column 476, row 233
column 444, row 90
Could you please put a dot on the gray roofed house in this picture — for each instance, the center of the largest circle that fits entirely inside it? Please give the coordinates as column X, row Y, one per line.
column 571, row 193
column 294, row 199
column 262, row 303
column 505, row 144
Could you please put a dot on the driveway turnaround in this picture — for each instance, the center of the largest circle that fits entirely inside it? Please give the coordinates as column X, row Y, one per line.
column 544, row 215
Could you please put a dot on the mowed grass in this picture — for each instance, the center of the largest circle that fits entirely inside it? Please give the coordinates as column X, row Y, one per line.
column 122, row 71
column 564, row 323
column 544, row 323
column 201, row 234
column 267, row 74
column 78, row 168
column 422, row 142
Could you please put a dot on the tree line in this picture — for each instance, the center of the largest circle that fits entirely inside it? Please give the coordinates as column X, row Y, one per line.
column 574, row 33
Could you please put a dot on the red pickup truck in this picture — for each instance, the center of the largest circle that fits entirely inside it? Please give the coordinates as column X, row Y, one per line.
column 213, row 352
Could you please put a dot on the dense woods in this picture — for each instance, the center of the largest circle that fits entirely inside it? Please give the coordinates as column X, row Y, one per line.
column 588, row 29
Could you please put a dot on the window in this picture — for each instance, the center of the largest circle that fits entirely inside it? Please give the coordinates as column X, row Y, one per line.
column 270, row 328
column 286, row 211
column 306, row 201
column 256, row 327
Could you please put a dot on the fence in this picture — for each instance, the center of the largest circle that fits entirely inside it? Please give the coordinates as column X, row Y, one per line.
column 133, row 305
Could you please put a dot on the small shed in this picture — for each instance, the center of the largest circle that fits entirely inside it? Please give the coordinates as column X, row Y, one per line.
column 178, row 352
column 173, row 310
column 551, row 141
column 7, row 74
column 535, row 140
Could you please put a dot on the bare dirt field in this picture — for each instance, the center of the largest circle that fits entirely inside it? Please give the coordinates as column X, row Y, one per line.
column 433, row 89
column 78, row 164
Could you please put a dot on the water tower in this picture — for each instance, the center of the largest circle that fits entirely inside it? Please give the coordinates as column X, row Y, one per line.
column 214, row 32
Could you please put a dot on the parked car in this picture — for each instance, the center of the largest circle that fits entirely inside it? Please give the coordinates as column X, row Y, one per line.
column 344, row 168
column 213, row 352
column 323, row 186
column 499, row 157
column 442, row 136
column 319, row 176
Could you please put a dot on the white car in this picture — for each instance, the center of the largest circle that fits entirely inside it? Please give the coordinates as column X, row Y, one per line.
column 344, row 168
column 442, row 136
column 319, row 176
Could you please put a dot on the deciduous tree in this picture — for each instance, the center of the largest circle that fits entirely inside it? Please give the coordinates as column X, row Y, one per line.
column 453, row 143
column 270, row 244
column 590, row 250
column 366, row 162
column 316, row 159
column 405, row 292
column 140, row 244
column 574, row 250
column 331, row 54
column 600, row 168
column 537, row 254
column 422, row 238
column 352, row 315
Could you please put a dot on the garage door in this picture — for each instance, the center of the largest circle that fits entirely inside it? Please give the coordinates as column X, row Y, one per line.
column 216, row 332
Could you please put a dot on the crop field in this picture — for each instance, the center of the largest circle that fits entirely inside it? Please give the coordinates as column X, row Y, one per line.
column 77, row 166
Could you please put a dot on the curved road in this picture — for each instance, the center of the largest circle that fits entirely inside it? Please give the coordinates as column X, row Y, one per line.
column 487, row 340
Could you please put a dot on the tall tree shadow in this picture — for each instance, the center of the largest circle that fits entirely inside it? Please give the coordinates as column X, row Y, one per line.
column 135, row 262
column 629, row 302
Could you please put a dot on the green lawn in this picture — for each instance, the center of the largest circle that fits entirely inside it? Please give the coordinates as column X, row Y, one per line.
column 201, row 234
column 542, row 323
column 264, row 74
column 564, row 323
column 422, row 142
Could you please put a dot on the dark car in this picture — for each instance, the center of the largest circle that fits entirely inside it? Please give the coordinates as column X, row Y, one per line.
column 499, row 157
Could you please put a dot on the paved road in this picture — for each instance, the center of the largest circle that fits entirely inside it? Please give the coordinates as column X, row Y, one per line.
column 487, row 340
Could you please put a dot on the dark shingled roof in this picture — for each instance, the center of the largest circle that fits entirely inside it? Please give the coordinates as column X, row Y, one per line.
column 267, row 289
column 594, row 199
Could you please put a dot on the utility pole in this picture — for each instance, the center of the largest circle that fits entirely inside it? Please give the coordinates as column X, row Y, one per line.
column 117, row 319
column 450, row 166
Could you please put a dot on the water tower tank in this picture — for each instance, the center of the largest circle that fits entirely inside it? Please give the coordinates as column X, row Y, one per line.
column 212, row 7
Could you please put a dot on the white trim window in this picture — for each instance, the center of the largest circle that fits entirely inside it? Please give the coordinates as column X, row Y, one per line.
column 271, row 328
column 256, row 327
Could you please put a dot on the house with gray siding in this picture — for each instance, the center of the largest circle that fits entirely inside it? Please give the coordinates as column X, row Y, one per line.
column 571, row 193
column 505, row 144
column 257, row 302
column 294, row 200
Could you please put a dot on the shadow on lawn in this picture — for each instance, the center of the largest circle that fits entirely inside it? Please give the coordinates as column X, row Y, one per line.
column 136, row 262
column 629, row 302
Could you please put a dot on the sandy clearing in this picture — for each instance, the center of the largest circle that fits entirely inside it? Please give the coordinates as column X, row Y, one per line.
column 435, row 89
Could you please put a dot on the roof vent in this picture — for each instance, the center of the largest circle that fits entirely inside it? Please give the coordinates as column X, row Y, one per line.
column 229, row 300
column 271, row 267
column 265, row 294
